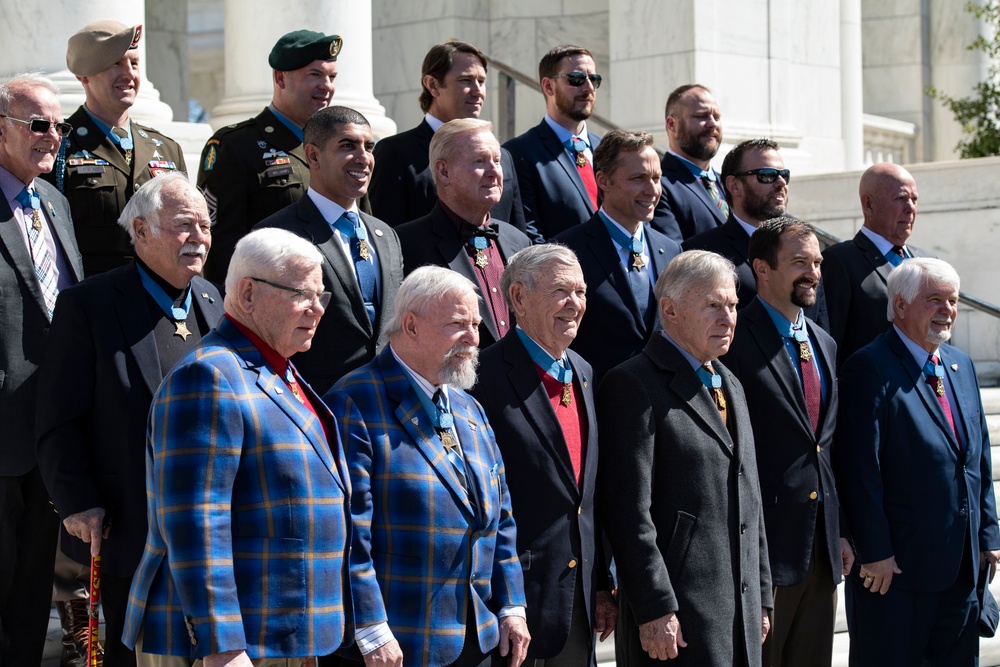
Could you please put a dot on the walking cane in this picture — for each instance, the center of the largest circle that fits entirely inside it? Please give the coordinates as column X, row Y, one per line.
column 93, row 612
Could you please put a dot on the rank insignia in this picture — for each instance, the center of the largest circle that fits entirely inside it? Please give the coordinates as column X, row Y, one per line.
column 210, row 158
column 262, row 144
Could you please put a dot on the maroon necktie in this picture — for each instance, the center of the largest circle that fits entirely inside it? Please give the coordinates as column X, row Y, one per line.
column 937, row 384
column 810, row 383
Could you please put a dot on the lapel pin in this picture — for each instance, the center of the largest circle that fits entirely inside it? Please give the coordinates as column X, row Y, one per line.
column 415, row 421
column 473, row 427
column 954, row 367
column 378, row 232
column 278, row 390
column 52, row 211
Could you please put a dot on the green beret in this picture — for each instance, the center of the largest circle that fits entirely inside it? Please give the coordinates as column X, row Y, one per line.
column 299, row 48
column 99, row 45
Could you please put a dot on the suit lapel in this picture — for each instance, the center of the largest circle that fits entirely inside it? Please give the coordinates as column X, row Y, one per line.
column 130, row 304
column 696, row 187
column 474, row 444
column 604, row 250
column 61, row 224
column 385, row 252
column 586, row 390
column 873, row 256
column 966, row 401
column 11, row 237
column 739, row 241
column 551, row 143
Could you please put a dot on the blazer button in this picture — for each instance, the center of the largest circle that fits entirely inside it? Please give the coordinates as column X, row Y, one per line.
column 743, row 528
column 571, row 564
column 744, row 587
column 813, row 496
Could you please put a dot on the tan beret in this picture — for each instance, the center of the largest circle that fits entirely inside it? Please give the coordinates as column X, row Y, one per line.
column 99, row 45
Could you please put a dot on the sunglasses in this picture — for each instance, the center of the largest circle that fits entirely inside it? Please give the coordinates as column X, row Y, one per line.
column 767, row 175
column 577, row 79
column 41, row 126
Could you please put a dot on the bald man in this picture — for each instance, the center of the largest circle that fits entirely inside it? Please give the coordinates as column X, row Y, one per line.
column 855, row 272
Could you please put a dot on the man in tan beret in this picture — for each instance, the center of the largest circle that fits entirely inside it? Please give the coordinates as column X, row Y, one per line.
column 253, row 169
column 108, row 156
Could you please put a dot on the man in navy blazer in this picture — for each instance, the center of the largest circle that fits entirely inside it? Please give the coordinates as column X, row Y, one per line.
column 554, row 160
column 117, row 335
column 539, row 398
column 35, row 230
column 786, row 363
column 338, row 149
column 620, row 253
column 435, row 577
column 913, row 453
column 693, row 198
column 453, row 78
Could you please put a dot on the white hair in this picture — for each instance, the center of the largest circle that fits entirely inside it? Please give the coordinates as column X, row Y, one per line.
column 9, row 88
column 907, row 279
column 269, row 250
column 420, row 290
column 145, row 204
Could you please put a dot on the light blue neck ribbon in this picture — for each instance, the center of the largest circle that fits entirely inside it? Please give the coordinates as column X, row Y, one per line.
column 556, row 368
column 162, row 299
column 439, row 414
column 628, row 243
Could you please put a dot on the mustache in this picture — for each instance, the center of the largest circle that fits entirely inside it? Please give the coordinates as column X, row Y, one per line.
column 193, row 248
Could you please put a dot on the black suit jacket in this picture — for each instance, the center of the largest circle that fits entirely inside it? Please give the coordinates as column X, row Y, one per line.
column 556, row 519
column 612, row 329
column 92, row 431
column 792, row 460
column 25, row 323
column 345, row 339
column 402, row 186
column 552, row 192
column 433, row 239
column 685, row 209
column 854, row 276
column 732, row 242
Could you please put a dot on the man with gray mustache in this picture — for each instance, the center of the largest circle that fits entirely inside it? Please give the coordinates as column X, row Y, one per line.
column 116, row 335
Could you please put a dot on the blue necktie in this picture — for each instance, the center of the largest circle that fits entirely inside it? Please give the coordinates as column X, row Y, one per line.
column 364, row 268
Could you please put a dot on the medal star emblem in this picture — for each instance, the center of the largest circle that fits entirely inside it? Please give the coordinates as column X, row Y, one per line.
column 804, row 353
column 638, row 261
column 181, row 330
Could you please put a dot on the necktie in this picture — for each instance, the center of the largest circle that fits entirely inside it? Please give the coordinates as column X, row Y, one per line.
column 638, row 278
column 364, row 268
column 578, row 148
column 811, row 389
column 124, row 143
column 714, row 384
column 935, row 378
column 896, row 255
column 44, row 263
column 447, row 439
column 713, row 193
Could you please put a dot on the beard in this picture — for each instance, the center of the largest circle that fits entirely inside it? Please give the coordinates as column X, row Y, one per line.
column 938, row 337
column 692, row 145
column 460, row 372
column 761, row 208
column 567, row 106
column 803, row 299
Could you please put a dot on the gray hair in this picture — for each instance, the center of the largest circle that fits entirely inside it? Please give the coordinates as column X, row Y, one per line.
column 9, row 89
column 148, row 200
column 449, row 137
column 527, row 265
column 268, row 250
column 421, row 289
column 690, row 269
column 907, row 279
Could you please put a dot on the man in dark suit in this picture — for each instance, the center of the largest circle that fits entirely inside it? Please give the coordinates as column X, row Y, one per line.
column 855, row 272
column 255, row 168
column 363, row 263
column 913, row 442
column 435, row 577
column 677, row 484
column 459, row 232
column 539, row 398
column 38, row 257
column 453, row 78
column 554, row 160
column 693, row 198
column 117, row 335
column 620, row 253
column 785, row 363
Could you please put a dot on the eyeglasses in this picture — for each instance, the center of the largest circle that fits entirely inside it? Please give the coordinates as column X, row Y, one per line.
column 577, row 79
column 306, row 296
column 767, row 175
column 41, row 126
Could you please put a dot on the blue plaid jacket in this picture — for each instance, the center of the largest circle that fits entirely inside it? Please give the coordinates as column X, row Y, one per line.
column 248, row 514
column 422, row 552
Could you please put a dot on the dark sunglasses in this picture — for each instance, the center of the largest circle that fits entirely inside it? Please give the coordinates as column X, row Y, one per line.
column 767, row 175
column 577, row 79
column 41, row 126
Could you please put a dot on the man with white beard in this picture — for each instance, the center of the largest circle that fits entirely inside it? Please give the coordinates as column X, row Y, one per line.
column 430, row 504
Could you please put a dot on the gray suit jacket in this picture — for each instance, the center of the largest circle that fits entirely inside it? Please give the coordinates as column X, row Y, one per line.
column 680, row 502
column 24, row 324
column 345, row 339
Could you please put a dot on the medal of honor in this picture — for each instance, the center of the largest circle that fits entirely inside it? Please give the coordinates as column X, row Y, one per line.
column 581, row 159
column 481, row 243
column 362, row 236
column 720, row 398
column 180, row 329
column 36, row 220
column 939, row 387
column 638, row 261
column 295, row 391
column 567, row 395
column 804, row 353
column 447, row 439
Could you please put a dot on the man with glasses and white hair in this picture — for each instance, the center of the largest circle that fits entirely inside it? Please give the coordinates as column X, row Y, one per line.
column 913, row 447
column 435, row 576
column 245, row 558
column 117, row 335
column 38, row 257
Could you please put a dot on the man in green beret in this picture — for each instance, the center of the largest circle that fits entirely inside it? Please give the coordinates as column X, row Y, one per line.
column 252, row 169
column 107, row 156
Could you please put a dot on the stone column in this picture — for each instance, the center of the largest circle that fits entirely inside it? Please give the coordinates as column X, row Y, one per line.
column 43, row 48
column 252, row 28
column 851, row 85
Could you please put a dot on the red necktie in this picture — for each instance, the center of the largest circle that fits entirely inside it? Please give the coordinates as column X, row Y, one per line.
column 937, row 384
column 578, row 147
column 811, row 389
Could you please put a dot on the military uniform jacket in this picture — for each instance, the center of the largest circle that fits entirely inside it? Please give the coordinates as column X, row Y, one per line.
column 248, row 171
column 98, row 182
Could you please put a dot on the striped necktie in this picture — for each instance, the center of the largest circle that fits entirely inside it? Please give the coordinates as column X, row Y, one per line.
column 43, row 261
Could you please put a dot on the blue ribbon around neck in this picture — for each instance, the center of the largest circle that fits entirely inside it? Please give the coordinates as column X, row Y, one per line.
column 162, row 299
column 629, row 243
column 554, row 367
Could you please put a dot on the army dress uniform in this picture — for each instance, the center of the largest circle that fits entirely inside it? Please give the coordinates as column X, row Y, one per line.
column 98, row 181
column 248, row 171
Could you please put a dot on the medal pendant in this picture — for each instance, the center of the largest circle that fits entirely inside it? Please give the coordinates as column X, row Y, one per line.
column 638, row 261
column 804, row 353
column 939, row 386
column 296, row 392
column 363, row 250
column 180, row 329
column 567, row 396
column 581, row 159
column 36, row 220
column 128, row 157
column 720, row 399
column 482, row 261
column 448, row 440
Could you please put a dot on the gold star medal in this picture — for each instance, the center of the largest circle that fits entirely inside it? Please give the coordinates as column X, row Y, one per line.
column 567, row 395
column 362, row 242
column 581, row 159
column 805, row 354
column 447, row 439
column 638, row 261
column 481, row 243
column 180, row 329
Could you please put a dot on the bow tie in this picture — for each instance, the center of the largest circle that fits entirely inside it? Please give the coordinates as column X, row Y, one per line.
column 490, row 231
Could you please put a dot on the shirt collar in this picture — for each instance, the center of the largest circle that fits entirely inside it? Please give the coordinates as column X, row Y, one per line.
column 12, row 186
column 330, row 209
column 275, row 361
column 287, row 122
column 695, row 363
column 565, row 135
column 106, row 129
column 747, row 227
column 426, row 386
column 881, row 244
column 435, row 123
column 697, row 171
column 784, row 326
column 639, row 234
column 919, row 353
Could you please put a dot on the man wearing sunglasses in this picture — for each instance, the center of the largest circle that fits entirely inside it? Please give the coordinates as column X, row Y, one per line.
column 38, row 258
column 756, row 184
column 108, row 156
column 554, row 160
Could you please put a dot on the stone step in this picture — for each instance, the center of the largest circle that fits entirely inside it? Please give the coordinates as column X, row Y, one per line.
column 991, row 399
column 993, row 424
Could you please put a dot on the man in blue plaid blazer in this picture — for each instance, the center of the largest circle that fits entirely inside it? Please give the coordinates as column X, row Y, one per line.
column 247, row 486
column 434, row 571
